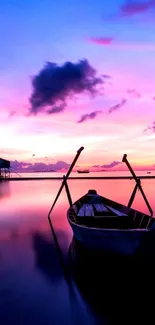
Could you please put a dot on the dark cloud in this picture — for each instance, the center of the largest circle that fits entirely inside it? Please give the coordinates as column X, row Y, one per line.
column 101, row 40
column 90, row 116
column 18, row 166
column 55, row 84
column 117, row 106
column 129, row 9
column 150, row 128
column 134, row 93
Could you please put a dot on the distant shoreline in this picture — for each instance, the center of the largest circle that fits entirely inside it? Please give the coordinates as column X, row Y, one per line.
column 75, row 178
column 75, row 171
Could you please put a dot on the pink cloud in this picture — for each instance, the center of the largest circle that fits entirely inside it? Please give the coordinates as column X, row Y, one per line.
column 12, row 113
column 137, row 7
column 116, row 44
column 101, row 40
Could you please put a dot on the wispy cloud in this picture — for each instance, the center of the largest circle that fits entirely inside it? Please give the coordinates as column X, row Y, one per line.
column 117, row 106
column 55, row 84
column 136, row 7
column 110, row 165
column 134, row 93
column 90, row 116
column 150, row 128
column 141, row 10
column 93, row 114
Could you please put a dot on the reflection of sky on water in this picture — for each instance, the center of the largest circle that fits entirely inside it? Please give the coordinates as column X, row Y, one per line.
column 32, row 287
column 4, row 189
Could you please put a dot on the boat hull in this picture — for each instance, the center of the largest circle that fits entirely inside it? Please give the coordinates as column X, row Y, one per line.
column 124, row 242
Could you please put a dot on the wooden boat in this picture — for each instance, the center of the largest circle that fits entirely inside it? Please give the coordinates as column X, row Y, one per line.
column 101, row 224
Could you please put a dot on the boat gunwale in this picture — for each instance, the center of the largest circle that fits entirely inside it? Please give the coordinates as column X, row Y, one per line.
column 107, row 229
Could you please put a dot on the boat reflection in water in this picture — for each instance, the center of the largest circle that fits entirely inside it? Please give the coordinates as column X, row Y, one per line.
column 117, row 288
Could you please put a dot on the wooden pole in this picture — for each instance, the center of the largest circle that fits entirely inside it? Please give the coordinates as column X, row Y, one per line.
column 68, row 192
column 137, row 180
column 65, row 269
column 66, row 177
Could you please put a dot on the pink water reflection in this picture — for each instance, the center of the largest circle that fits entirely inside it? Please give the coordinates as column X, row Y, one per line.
column 31, row 278
column 25, row 204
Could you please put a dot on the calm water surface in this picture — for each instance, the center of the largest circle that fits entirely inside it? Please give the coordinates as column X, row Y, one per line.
column 33, row 289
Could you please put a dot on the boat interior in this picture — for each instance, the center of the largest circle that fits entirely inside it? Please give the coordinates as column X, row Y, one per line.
column 99, row 212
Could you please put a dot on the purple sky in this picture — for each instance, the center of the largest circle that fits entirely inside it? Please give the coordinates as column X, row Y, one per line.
column 117, row 39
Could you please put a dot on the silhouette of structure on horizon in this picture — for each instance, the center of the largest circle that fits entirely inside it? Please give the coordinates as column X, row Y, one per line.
column 4, row 168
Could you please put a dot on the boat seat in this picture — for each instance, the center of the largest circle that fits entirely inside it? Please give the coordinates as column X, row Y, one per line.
column 98, row 209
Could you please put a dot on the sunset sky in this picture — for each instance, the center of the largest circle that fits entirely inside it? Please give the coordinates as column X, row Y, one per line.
column 117, row 38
